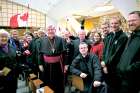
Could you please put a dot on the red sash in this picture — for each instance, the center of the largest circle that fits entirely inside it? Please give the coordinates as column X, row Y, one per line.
column 53, row 59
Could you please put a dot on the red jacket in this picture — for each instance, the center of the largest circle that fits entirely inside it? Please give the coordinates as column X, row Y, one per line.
column 97, row 49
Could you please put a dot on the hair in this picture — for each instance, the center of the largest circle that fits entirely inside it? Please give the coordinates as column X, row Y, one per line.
column 99, row 34
column 135, row 12
column 51, row 27
column 117, row 18
column 83, row 31
column 13, row 30
column 105, row 23
column 82, row 43
column 3, row 31
column 29, row 33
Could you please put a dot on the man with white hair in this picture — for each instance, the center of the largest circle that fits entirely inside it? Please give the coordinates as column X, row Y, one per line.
column 8, row 64
column 81, row 38
column 51, row 61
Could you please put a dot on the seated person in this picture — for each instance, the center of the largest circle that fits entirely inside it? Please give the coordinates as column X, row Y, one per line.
column 87, row 66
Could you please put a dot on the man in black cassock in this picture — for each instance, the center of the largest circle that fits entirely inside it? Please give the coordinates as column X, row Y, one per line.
column 87, row 67
column 51, row 61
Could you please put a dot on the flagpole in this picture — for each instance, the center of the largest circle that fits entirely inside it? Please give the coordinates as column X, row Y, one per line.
column 28, row 15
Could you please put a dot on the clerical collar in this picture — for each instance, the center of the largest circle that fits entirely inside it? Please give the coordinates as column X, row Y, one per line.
column 84, row 56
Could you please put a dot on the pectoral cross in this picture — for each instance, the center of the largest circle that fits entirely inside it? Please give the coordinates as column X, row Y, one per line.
column 52, row 44
column 53, row 50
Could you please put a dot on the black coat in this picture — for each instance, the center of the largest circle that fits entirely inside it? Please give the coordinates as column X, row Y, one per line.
column 106, row 41
column 76, row 46
column 68, row 57
column 116, row 46
column 8, row 59
column 129, row 65
column 89, row 65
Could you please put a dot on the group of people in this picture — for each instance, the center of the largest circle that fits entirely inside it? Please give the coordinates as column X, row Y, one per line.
column 113, row 59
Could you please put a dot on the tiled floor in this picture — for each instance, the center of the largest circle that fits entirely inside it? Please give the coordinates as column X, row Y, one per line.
column 22, row 87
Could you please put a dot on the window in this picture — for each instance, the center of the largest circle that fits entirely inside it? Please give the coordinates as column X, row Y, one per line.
column 9, row 9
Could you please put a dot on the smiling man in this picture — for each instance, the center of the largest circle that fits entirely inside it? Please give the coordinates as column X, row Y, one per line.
column 87, row 67
column 51, row 60
column 129, row 65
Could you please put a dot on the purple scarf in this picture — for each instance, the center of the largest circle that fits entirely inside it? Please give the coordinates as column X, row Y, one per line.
column 4, row 48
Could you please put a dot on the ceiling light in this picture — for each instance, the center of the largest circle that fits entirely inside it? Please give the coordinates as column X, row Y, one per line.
column 103, row 8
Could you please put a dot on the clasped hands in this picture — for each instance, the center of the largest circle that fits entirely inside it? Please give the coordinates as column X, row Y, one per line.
column 95, row 83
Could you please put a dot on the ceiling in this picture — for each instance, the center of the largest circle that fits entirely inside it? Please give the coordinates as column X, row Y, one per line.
column 57, row 9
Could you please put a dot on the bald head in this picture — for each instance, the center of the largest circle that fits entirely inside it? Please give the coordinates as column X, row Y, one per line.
column 81, row 35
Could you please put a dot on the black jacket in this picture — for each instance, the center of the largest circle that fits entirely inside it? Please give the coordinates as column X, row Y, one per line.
column 129, row 65
column 89, row 65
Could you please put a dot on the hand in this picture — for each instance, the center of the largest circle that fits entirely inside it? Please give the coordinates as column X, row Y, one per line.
column 103, row 64
column 66, row 67
column 83, row 75
column 96, row 83
column 27, row 52
column 105, row 70
column 25, row 44
column 1, row 73
column 41, row 68
column 68, row 40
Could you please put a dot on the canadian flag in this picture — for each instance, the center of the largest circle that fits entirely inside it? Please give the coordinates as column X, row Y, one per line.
column 19, row 20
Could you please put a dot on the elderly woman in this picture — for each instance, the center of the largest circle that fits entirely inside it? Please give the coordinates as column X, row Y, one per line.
column 8, row 75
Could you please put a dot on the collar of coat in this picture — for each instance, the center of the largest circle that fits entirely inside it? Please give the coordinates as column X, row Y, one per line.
column 136, row 33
